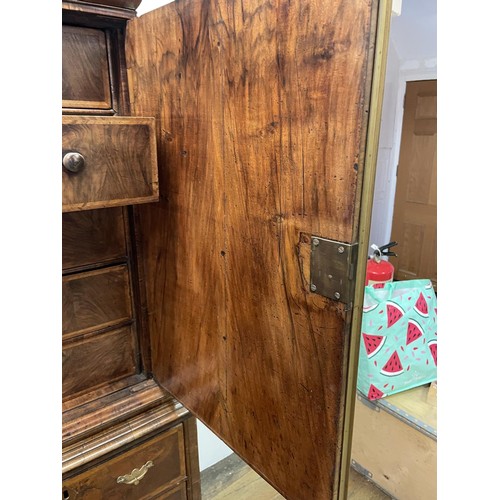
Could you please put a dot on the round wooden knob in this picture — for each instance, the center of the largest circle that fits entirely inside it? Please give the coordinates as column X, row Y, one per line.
column 73, row 162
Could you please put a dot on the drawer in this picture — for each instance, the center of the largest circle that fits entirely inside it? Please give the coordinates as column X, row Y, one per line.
column 161, row 459
column 86, row 82
column 95, row 360
column 177, row 493
column 95, row 300
column 107, row 162
column 93, row 237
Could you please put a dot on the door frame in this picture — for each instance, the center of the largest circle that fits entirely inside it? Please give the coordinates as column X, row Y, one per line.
column 368, row 187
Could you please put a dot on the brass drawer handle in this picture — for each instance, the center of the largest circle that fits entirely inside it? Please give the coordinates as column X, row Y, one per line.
column 136, row 475
column 73, row 162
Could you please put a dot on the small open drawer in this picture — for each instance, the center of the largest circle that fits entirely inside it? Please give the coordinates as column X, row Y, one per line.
column 107, row 162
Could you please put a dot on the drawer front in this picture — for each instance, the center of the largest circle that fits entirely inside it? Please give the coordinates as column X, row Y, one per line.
column 98, row 359
column 108, row 161
column 86, row 80
column 161, row 459
column 95, row 300
column 93, row 237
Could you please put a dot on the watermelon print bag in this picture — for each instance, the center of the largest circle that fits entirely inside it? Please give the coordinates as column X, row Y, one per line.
column 398, row 347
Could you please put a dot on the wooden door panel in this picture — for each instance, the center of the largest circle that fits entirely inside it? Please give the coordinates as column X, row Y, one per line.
column 261, row 112
column 415, row 208
column 420, row 178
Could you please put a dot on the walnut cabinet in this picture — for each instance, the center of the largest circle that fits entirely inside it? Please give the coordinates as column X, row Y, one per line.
column 217, row 175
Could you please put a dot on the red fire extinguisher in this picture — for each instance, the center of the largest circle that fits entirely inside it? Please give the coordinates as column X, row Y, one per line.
column 379, row 271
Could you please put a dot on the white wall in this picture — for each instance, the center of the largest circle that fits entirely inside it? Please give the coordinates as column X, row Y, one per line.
column 383, row 192
column 210, row 448
column 412, row 55
column 147, row 5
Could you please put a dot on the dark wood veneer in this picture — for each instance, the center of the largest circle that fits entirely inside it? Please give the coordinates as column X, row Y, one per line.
column 93, row 237
column 95, row 300
column 120, row 162
column 165, row 451
column 113, row 411
column 260, row 110
column 85, row 73
column 123, row 4
column 96, row 359
column 261, row 120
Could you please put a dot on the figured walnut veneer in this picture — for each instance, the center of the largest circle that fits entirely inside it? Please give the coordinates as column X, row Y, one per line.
column 261, row 113
column 120, row 162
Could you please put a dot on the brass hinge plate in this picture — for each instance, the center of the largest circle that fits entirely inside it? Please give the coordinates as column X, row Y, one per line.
column 333, row 269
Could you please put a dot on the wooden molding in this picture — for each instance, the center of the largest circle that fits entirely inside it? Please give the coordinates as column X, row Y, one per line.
column 124, row 9
column 94, row 416
column 121, row 4
column 98, row 445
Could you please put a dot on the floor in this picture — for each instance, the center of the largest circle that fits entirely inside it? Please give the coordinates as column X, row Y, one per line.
column 232, row 479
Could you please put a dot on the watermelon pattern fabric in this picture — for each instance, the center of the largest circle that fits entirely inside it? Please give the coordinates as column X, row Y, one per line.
column 373, row 344
column 398, row 349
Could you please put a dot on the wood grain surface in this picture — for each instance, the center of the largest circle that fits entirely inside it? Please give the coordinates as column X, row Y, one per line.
column 414, row 225
column 99, row 13
column 171, row 443
column 108, row 406
column 120, row 162
column 165, row 451
column 93, row 237
column 94, row 360
column 124, row 4
column 95, row 300
column 261, row 119
column 85, row 74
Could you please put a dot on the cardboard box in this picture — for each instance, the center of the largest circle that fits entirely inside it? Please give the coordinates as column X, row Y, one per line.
column 395, row 443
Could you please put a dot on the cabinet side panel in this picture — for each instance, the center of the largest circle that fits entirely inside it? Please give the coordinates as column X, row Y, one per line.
column 260, row 110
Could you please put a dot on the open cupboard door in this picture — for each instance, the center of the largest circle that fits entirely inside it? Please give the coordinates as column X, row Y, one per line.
column 266, row 141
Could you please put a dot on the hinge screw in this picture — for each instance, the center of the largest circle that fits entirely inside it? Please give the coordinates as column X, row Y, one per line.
column 313, row 287
column 337, row 295
column 315, row 242
column 341, row 249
